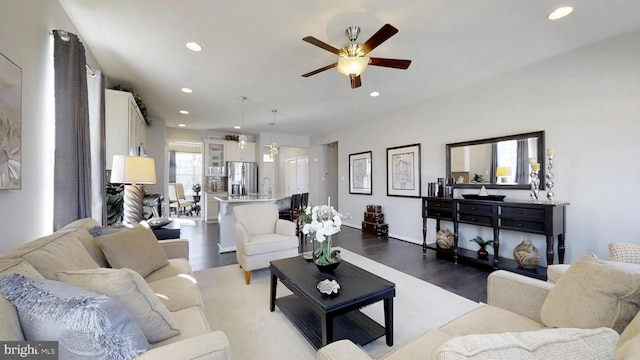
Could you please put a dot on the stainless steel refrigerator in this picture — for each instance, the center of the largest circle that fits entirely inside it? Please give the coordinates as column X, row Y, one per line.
column 242, row 178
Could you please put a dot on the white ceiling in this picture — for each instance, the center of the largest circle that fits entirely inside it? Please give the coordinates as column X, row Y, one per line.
column 255, row 49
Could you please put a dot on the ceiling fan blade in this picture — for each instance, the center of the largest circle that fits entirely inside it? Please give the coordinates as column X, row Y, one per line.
column 318, row 43
column 320, row 70
column 391, row 63
column 355, row 81
column 385, row 32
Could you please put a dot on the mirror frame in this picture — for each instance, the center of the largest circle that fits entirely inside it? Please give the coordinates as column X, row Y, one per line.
column 541, row 159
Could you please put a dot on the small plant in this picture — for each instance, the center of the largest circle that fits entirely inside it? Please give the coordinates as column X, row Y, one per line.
column 482, row 242
column 477, row 178
column 482, row 252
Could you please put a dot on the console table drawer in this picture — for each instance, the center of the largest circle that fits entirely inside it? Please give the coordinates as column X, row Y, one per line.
column 475, row 209
column 475, row 219
column 446, row 205
column 522, row 212
column 521, row 225
column 444, row 214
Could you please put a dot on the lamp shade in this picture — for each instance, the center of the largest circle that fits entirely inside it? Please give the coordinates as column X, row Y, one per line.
column 356, row 65
column 133, row 170
column 503, row 171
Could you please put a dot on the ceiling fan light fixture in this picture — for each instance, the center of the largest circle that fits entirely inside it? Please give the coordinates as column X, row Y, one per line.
column 560, row 12
column 356, row 65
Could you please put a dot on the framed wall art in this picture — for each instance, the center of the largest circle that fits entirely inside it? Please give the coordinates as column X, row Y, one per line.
column 10, row 125
column 360, row 173
column 403, row 171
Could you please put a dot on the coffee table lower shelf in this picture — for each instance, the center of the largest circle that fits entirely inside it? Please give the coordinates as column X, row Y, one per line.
column 354, row 325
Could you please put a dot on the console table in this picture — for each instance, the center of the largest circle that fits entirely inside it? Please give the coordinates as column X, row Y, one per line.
column 547, row 219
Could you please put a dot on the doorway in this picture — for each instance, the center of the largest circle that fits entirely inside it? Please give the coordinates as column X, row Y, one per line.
column 297, row 175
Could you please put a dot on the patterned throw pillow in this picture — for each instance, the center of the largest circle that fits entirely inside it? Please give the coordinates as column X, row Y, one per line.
column 85, row 324
column 624, row 252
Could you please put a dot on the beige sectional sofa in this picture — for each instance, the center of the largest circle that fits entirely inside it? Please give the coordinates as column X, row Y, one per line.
column 157, row 287
column 526, row 318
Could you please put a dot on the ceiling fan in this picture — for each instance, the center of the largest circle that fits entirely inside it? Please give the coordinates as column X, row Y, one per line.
column 352, row 60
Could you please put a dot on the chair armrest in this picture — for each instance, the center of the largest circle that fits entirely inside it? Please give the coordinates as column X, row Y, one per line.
column 212, row 345
column 285, row 227
column 517, row 293
column 342, row 349
column 175, row 248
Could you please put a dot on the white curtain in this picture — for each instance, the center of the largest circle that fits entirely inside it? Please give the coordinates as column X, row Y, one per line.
column 95, row 90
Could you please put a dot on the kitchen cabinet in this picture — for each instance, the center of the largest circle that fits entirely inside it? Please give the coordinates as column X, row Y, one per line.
column 235, row 154
column 210, row 206
column 125, row 128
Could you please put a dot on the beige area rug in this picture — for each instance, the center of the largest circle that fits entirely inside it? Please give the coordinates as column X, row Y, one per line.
column 242, row 311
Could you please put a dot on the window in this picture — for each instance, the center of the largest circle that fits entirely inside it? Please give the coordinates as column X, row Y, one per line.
column 188, row 170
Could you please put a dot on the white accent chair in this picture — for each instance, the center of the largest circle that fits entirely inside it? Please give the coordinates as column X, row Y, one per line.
column 262, row 237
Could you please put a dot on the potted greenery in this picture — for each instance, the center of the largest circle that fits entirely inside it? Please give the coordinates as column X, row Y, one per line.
column 482, row 252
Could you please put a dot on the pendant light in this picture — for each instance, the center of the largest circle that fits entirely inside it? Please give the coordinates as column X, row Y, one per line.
column 242, row 139
column 273, row 148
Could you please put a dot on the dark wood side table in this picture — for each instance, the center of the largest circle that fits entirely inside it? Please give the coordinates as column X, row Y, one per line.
column 323, row 319
column 169, row 231
column 548, row 219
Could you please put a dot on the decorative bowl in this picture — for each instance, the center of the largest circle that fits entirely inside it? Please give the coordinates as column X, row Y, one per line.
column 328, row 287
column 484, row 197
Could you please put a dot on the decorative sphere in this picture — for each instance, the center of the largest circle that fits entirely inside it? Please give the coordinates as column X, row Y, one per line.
column 526, row 255
column 444, row 239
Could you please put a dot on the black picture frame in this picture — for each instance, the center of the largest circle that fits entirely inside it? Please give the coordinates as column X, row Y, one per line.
column 404, row 171
column 360, row 173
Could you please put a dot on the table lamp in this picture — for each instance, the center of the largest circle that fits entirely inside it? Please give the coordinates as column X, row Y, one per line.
column 133, row 170
column 502, row 172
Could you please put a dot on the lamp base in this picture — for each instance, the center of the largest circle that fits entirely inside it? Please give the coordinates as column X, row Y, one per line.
column 133, row 204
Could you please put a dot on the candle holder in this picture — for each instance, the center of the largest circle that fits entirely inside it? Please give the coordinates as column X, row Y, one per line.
column 549, row 183
column 535, row 185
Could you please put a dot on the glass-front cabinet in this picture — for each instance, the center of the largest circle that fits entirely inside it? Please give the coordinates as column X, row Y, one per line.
column 215, row 159
column 215, row 177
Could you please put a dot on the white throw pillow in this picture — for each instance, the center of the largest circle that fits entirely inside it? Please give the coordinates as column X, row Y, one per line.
column 565, row 343
column 128, row 287
column 624, row 252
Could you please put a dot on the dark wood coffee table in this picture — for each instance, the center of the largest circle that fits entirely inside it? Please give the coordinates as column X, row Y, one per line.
column 322, row 318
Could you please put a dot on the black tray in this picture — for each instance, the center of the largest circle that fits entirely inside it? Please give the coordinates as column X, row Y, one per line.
column 484, row 197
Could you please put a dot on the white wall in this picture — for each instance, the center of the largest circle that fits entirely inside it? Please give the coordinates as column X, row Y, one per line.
column 585, row 100
column 24, row 38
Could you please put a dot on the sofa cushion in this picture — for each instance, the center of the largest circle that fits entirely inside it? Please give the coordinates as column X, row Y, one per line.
column 566, row 343
column 631, row 331
column 424, row 347
column 594, row 293
column 193, row 322
column 20, row 266
column 128, row 287
column 85, row 324
column 135, row 248
column 177, row 292
column 624, row 252
column 630, row 350
column 489, row 319
column 92, row 247
column 56, row 252
column 80, row 224
column 175, row 267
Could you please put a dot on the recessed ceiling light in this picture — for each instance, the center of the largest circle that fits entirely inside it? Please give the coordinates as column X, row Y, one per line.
column 237, row 127
column 182, row 125
column 186, row 90
column 184, row 112
column 560, row 12
column 194, row 46
column 374, row 94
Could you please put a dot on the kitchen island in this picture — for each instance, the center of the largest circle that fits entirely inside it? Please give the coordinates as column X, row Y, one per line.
column 227, row 219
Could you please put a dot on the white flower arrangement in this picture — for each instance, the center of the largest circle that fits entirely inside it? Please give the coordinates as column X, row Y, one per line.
column 321, row 221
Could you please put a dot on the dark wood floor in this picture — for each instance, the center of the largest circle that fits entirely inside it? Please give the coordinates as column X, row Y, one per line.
column 407, row 257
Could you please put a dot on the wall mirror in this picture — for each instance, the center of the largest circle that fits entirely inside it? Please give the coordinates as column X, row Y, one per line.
column 496, row 163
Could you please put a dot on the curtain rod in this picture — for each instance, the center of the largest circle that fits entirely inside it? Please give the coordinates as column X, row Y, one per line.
column 65, row 37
